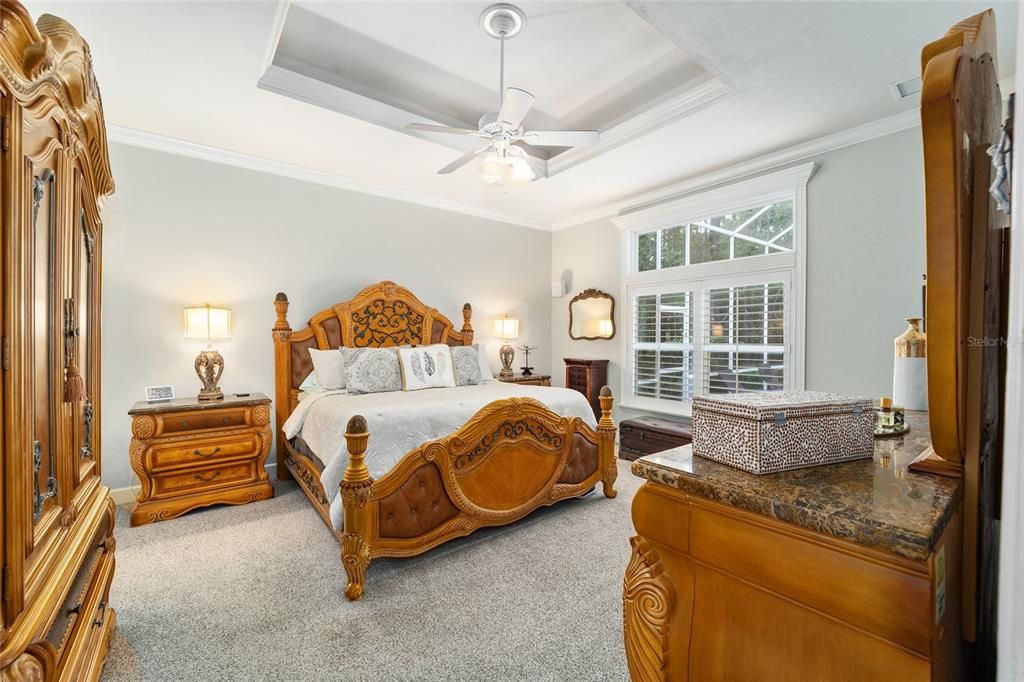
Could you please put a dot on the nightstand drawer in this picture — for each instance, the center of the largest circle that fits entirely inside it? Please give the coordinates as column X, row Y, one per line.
column 205, row 420
column 201, row 452
column 197, row 480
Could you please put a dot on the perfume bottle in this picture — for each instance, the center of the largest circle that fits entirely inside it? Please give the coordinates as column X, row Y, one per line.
column 885, row 418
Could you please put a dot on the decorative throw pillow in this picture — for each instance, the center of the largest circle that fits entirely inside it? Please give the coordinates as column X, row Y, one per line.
column 426, row 367
column 372, row 370
column 486, row 375
column 466, row 360
column 329, row 368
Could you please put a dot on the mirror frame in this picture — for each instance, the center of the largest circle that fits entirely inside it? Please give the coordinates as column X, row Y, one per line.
column 592, row 293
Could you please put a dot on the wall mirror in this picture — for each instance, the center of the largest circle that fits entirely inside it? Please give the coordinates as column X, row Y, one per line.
column 591, row 316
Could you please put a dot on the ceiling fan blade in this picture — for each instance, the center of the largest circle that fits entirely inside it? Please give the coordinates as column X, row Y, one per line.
column 562, row 138
column 462, row 161
column 514, row 106
column 440, row 129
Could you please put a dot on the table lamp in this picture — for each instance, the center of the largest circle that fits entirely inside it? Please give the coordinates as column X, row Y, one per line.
column 208, row 324
column 506, row 328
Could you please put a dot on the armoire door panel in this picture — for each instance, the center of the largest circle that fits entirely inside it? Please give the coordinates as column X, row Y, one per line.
column 86, row 297
column 42, row 154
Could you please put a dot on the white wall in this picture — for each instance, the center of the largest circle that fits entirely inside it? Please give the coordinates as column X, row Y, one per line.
column 180, row 231
column 865, row 241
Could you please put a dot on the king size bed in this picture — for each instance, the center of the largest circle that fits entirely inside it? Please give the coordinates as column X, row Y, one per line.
column 396, row 473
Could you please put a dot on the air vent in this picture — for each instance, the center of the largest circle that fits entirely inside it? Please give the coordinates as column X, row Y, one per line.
column 905, row 88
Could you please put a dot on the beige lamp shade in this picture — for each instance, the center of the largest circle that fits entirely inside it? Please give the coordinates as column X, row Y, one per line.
column 207, row 323
column 507, row 328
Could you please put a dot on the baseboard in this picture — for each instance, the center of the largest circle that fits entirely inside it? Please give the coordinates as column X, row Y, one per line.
column 128, row 494
column 125, row 495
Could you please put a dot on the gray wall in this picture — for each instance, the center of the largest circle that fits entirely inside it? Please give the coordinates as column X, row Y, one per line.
column 181, row 231
column 865, row 241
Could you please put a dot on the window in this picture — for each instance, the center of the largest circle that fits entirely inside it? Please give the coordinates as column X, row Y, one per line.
column 714, row 288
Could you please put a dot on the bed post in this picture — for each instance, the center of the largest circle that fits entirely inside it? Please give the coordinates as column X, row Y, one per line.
column 606, row 432
column 355, row 493
column 467, row 326
column 282, row 380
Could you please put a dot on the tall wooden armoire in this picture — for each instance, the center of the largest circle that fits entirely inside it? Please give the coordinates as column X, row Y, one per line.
column 56, row 517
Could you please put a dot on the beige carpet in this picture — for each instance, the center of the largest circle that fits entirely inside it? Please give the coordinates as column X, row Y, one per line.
column 256, row 593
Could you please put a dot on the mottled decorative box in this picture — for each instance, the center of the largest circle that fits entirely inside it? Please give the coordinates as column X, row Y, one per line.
column 767, row 432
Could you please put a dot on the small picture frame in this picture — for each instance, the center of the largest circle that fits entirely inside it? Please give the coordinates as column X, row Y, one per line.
column 158, row 394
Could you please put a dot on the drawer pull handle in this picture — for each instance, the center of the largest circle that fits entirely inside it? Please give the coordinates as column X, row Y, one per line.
column 211, row 453
column 207, row 477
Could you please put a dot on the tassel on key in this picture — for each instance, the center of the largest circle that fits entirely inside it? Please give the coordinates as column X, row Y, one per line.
column 74, row 385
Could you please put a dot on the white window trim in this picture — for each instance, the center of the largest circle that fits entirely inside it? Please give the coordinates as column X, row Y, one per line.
column 790, row 183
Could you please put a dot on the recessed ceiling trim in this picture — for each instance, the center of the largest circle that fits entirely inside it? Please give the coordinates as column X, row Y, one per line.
column 171, row 145
column 683, row 101
column 282, row 80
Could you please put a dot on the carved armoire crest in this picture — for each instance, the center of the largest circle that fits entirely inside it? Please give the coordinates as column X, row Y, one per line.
column 56, row 516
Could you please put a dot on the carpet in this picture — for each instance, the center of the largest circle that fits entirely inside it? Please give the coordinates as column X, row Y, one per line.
column 257, row 593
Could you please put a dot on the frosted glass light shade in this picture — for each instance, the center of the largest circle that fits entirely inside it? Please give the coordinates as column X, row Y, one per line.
column 507, row 328
column 207, row 323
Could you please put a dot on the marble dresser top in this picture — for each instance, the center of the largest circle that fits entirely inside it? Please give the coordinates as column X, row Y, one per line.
column 873, row 502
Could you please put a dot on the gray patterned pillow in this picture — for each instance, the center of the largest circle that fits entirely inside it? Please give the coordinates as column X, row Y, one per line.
column 467, row 365
column 372, row 370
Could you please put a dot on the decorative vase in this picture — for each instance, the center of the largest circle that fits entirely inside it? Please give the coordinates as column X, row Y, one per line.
column 910, row 369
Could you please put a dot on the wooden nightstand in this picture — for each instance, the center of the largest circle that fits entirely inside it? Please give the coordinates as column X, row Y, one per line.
column 190, row 454
column 532, row 380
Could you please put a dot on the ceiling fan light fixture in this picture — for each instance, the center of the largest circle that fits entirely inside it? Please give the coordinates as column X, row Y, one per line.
column 494, row 170
column 522, row 171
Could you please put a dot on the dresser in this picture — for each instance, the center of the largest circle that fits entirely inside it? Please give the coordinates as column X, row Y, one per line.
column 57, row 544
column 844, row 572
column 190, row 454
column 587, row 377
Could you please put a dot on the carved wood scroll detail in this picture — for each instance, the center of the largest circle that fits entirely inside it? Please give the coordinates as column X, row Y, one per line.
column 26, row 668
column 647, row 602
column 386, row 323
column 509, row 432
column 311, row 485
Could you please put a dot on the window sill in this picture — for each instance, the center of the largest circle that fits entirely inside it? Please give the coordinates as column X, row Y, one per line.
column 684, row 409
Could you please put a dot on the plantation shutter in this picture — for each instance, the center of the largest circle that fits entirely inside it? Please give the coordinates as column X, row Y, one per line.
column 743, row 338
column 662, row 345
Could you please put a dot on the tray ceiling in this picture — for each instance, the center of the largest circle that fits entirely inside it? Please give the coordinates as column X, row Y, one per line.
column 590, row 65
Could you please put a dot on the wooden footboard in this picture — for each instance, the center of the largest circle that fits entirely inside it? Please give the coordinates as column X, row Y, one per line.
column 513, row 456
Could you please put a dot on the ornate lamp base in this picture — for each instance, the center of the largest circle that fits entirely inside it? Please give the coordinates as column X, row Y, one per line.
column 209, row 367
column 507, row 354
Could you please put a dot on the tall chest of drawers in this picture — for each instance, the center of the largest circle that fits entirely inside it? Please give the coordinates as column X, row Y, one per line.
column 189, row 454
column 587, row 377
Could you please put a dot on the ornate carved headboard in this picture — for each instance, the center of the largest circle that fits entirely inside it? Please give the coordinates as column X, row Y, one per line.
column 379, row 316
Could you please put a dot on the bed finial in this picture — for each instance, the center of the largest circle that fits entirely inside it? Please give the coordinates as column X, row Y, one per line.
column 281, row 329
column 606, row 448
column 467, row 326
column 355, row 491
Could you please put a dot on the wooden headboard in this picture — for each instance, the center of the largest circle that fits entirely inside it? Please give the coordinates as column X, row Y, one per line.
column 381, row 315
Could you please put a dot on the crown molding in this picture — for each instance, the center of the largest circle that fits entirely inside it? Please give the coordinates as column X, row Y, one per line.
column 751, row 167
column 194, row 150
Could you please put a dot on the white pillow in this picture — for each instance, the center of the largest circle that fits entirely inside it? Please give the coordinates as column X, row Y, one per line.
column 329, row 368
column 426, row 367
column 308, row 384
column 486, row 375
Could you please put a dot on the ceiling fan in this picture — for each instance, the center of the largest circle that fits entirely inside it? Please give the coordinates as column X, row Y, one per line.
column 504, row 157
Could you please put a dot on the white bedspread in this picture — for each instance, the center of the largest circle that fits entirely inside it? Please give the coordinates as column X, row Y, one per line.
column 401, row 421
